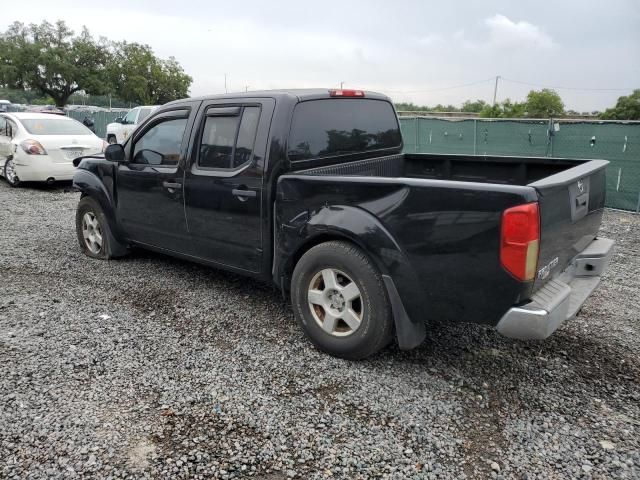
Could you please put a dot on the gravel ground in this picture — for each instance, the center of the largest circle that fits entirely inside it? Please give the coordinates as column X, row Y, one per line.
column 153, row 367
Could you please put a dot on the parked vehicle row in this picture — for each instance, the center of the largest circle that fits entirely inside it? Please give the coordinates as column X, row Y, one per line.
column 309, row 190
column 40, row 147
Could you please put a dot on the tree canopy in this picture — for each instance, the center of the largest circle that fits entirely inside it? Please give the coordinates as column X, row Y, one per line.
column 137, row 75
column 627, row 108
column 51, row 60
column 544, row 104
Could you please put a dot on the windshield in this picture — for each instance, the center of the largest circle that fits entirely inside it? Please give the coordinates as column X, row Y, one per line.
column 54, row 126
column 131, row 116
column 144, row 113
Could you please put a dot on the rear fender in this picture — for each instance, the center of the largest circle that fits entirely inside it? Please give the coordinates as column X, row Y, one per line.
column 365, row 230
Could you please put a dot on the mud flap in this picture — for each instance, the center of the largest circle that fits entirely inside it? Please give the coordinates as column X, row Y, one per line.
column 410, row 334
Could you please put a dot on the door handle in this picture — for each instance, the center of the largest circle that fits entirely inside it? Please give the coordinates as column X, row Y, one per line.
column 166, row 184
column 243, row 194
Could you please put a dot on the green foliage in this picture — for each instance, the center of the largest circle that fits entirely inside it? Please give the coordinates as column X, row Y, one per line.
column 52, row 62
column 544, row 104
column 473, row 107
column 627, row 108
column 505, row 109
column 137, row 75
column 411, row 107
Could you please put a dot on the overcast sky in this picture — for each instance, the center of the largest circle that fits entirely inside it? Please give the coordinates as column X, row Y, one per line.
column 412, row 50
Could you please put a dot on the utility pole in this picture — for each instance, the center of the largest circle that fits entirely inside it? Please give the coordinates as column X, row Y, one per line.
column 341, row 84
column 225, row 83
column 495, row 90
column 246, row 88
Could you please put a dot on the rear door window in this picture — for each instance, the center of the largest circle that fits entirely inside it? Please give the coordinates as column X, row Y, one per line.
column 333, row 127
column 227, row 141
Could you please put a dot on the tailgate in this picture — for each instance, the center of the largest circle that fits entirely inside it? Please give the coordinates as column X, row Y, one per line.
column 571, row 207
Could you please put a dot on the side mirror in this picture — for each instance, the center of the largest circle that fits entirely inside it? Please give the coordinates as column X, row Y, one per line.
column 119, row 120
column 114, row 153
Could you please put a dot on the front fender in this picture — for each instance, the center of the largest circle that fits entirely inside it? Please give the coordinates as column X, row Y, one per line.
column 365, row 230
column 100, row 189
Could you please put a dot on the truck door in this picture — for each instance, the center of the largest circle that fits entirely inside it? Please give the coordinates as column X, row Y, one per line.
column 223, row 185
column 150, row 199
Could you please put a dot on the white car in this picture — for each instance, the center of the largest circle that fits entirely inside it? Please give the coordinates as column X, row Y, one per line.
column 122, row 129
column 40, row 147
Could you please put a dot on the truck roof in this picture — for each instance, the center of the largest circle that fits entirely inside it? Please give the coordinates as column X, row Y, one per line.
column 299, row 94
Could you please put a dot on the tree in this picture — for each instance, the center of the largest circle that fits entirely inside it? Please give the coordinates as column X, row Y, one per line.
column 473, row 107
column 138, row 76
column 505, row 109
column 52, row 60
column 544, row 104
column 627, row 108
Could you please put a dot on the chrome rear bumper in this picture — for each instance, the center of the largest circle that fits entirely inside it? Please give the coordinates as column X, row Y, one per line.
column 560, row 298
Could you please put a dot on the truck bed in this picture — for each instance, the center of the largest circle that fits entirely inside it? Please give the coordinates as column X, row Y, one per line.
column 444, row 212
column 483, row 169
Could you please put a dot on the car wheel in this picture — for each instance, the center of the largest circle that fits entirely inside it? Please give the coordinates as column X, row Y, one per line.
column 111, row 139
column 94, row 234
column 340, row 301
column 10, row 173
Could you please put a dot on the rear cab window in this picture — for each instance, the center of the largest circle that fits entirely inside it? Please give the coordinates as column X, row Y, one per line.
column 336, row 127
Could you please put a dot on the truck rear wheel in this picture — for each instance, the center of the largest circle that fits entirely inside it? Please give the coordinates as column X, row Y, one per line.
column 340, row 301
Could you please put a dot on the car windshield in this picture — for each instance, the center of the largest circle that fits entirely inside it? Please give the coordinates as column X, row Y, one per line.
column 54, row 126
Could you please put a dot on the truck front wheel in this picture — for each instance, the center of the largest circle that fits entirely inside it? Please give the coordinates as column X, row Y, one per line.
column 94, row 234
column 340, row 301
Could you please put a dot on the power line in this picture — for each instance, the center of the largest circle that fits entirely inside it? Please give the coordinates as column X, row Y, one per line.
column 567, row 88
column 441, row 89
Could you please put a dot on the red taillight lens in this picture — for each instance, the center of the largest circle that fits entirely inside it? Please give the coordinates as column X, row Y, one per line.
column 520, row 240
column 346, row 93
column 33, row 147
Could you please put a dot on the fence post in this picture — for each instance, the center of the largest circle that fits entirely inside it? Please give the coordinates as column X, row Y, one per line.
column 475, row 135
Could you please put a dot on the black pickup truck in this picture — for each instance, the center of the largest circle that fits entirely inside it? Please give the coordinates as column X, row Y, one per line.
column 308, row 189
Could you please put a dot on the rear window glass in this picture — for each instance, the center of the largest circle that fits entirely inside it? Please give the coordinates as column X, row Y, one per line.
column 323, row 128
column 54, row 126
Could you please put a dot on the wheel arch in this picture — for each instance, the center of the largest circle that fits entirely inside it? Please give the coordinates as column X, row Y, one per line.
column 89, row 185
column 362, row 229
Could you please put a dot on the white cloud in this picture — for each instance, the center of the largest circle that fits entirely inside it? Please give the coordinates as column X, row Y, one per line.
column 504, row 32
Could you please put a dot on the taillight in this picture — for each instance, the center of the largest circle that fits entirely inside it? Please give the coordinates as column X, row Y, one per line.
column 520, row 240
column 346, row 93
column 33, row 147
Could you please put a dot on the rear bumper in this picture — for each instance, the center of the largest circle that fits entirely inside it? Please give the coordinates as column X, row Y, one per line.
column 560, row 298
column 43, row 168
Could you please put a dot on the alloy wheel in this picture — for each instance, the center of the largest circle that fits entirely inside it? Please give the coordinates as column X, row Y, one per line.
column 335, row 302
column 92, row 232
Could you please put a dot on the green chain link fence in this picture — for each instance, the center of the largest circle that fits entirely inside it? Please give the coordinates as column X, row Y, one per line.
column 618, row 142
column 100, row 119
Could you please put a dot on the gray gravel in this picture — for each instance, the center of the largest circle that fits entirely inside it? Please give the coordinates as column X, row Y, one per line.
column 154, row 367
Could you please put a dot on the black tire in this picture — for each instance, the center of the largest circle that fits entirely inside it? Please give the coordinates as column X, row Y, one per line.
column 12, row 180
column 111, row 139
column 110, row 247
column 375, row 330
